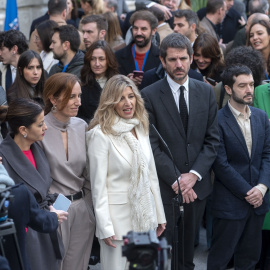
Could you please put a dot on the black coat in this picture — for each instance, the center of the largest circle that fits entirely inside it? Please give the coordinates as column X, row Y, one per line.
column 89, row 101
column 41, row 250
column 25, row 212
column 126, row 63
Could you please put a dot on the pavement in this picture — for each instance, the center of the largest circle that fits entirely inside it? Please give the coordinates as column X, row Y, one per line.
column 200, row 258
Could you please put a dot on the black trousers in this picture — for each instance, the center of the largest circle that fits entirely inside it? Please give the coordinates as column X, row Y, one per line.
column 193, row 213
column 239, row 237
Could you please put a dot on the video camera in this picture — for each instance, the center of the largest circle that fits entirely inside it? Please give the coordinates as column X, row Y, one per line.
column 145, row 252
column 5, row 198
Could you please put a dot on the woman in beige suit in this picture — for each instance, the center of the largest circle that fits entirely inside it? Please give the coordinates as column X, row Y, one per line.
column 123, row 176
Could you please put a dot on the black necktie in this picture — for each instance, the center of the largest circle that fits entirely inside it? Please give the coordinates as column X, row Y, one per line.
column 183, row 108
column 8, row 77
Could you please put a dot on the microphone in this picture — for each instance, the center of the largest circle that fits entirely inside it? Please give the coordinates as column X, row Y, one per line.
column 178, row 197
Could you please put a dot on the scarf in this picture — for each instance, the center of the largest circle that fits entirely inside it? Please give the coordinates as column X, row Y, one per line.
column 143, row 212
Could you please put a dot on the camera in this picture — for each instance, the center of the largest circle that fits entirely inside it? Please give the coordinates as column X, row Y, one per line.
column 145, row 252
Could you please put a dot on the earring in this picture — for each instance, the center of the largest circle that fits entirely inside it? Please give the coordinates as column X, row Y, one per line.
column 54, row 109
column 25, row 135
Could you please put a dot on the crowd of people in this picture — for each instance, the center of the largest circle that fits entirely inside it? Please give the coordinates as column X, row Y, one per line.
column 83, row 104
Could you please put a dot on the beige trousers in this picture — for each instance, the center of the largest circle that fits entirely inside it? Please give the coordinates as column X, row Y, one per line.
column 77, row 233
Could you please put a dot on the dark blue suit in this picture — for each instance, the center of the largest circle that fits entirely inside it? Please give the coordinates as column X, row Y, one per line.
column 237, row 224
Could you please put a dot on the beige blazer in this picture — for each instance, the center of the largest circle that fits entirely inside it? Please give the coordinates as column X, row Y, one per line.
column 110, row 161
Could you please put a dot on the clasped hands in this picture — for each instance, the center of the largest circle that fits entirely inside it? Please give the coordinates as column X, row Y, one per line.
column 186, row 182
column 254, row 197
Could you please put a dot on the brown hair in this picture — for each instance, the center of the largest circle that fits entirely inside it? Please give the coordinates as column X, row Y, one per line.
column 87, row 75
column 209, row 49
column 114, row 29
column 57, row 85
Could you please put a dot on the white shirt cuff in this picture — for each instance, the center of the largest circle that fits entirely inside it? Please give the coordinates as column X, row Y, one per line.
column 262, row 188
column 196, row 173
column 150, row 4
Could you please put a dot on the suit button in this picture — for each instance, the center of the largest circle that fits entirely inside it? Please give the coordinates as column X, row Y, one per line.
column 186, row 164
column 188, row 144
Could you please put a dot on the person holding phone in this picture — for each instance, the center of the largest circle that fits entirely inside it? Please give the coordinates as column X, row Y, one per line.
column 208, row 58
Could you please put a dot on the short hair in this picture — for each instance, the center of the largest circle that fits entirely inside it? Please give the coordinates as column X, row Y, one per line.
column 57, row 85
column 191, row 16
column 69, row 33
column 177, row 41
column 244, row 55
column 20, row 112
column 87, row 75
column 209, row 49
column 100, row 20
column 56, row 7
column 213, row 6
column 112, row 4
column 258, row 6
column 144, row 15
column 105, row 114
column 2, row 36
column 230, row 73
column 45, row 31
column 15, row 37
column 159, row 14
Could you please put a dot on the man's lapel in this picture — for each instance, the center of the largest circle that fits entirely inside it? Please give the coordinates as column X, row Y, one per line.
column 167, row 99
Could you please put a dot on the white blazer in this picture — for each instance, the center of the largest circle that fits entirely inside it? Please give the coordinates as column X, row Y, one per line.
column 110, row 166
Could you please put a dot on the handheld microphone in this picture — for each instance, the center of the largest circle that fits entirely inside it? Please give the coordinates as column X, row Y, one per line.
column 179, row 196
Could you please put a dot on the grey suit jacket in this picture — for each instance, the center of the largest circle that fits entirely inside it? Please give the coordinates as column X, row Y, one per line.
column 195, row 151
column 209, row 28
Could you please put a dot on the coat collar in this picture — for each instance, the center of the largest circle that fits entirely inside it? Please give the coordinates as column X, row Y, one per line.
column 233, row 125
column 39, row 179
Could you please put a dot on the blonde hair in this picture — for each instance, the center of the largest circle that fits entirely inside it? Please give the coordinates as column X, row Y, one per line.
column 105, row 114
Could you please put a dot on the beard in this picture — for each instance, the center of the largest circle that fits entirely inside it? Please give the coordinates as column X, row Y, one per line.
column 241, row 100
column 176, row 78
column 144, row 42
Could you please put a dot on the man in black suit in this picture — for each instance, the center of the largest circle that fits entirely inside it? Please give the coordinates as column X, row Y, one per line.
column 191, row 135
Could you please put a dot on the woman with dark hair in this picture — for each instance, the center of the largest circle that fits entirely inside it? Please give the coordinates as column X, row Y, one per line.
column 64, row 146
column 73, row 16
column 43, row 40
column 25, row 162
column 114, row 33
column 30, row 78
column 100, row 65
column 208, row 58
column 259, row 39
column 126, row 194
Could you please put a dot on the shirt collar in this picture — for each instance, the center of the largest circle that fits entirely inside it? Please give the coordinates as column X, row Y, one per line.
column 236, row 113
column 175, row 86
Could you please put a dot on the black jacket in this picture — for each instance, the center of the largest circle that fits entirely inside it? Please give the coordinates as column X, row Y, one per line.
column 74, row 66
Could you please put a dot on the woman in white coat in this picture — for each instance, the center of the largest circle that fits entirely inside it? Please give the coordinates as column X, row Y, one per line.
column 123, row 176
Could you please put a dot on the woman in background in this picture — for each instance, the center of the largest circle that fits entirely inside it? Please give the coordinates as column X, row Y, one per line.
column 124, row 181
column 208, row 58
column 64, row 146
column 25, row 162
column 43, row 40
column 30, row 78
column 114, row 33
column 259, row 39
column 100, row 65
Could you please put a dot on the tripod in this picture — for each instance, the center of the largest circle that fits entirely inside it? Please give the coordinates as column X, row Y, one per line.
column 8, row 228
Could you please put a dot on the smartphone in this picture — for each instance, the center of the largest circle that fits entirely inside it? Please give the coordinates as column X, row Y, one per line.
column 212, row 81
column 137, row 73
column 62, row 203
